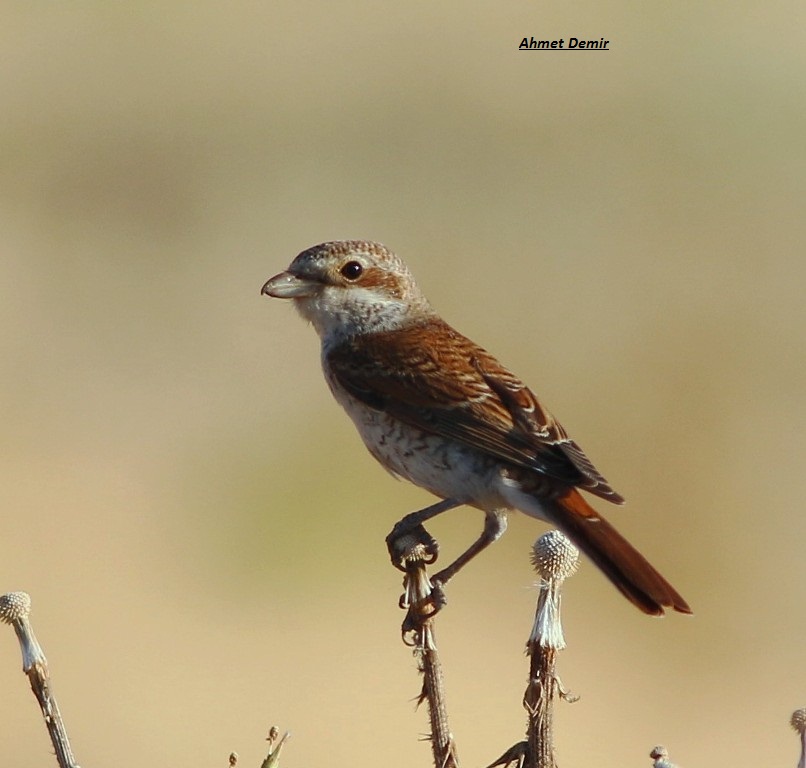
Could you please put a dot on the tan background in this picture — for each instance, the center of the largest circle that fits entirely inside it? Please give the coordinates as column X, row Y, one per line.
column 200, row 529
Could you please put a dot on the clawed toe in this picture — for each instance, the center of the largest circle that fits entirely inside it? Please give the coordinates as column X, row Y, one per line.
column 441, row 578
column 422, row 600
column 407, row 543
column 438, row 598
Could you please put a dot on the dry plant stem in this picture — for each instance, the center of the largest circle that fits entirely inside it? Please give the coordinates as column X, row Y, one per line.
column 798, row 722
column 14, row 610
column 418, row 630
column 554, row 558
column 442, row 744
column 275, row 747
column 539, row 703
column 40, row 685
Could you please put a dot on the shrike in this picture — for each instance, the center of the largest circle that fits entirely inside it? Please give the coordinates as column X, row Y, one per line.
column 440, row 411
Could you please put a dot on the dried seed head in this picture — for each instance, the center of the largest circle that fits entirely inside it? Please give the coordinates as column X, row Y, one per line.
column 798, row 720
column 554, row 556
column 555, row 559
column 14, row 610
column 411, row 548
column 14, row 606
column 659, row 755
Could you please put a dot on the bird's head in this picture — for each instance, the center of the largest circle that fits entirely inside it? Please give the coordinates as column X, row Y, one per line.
column 349, row 287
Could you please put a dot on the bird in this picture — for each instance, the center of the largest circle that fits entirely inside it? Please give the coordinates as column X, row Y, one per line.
column 438, row 410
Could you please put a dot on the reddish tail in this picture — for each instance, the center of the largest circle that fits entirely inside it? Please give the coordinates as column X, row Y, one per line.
column 627, row 568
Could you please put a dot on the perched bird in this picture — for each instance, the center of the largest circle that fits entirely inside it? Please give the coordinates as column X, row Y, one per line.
column 440, row 411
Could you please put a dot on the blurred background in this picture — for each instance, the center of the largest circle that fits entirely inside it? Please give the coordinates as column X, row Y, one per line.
column 200, row 529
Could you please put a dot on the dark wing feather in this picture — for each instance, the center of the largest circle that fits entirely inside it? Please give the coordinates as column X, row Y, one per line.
column 435, row 379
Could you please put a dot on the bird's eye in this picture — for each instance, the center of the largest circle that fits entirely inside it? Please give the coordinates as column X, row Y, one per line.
column 352, row 270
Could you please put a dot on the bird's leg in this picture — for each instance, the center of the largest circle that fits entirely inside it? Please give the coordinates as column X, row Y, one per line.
column 409, row 532
column 495, row 523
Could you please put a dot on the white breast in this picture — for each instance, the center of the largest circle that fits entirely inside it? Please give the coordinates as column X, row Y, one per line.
column 446, row 468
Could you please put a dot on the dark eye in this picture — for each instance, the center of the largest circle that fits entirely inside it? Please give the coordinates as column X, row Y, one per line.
column 352, row 270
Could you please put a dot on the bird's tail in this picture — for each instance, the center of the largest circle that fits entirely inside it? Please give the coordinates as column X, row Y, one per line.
column 624, row 565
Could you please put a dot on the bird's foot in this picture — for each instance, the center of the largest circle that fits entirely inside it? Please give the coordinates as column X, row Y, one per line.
column 422, row 597
column 408, row 543
column 441, row 578
column 422, row 600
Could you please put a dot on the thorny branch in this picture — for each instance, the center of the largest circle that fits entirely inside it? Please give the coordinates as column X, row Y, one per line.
column 422, row 600
column 15, row 608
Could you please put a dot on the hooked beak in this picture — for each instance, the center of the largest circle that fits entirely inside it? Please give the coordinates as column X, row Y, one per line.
column 288, row 286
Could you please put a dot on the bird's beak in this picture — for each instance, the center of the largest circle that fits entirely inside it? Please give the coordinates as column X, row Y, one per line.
column 288, row 286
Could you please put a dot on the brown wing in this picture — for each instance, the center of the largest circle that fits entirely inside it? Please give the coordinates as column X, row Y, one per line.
column 435, row 379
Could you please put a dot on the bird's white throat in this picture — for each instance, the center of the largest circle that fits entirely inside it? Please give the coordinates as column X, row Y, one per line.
column 338, row 314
